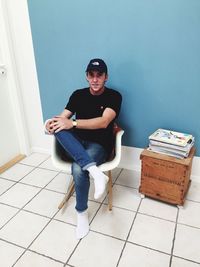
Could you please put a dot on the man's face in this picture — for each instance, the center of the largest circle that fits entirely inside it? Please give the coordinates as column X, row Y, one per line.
column 96, row 81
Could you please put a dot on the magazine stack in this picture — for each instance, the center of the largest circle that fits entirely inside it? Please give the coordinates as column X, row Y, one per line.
column 171, row 143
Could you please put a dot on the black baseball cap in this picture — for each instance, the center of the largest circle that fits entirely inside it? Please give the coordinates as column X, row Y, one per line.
column 97, row 64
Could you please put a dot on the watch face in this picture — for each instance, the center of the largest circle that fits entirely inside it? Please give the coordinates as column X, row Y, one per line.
column 74, row 123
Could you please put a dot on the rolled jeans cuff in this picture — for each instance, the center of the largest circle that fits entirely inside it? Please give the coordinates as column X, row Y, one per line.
column 88, row 165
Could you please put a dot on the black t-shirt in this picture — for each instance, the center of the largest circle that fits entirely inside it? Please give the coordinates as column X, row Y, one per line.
column 87, row 106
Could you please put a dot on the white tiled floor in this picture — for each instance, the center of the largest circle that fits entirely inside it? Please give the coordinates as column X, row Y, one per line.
column 137, row 232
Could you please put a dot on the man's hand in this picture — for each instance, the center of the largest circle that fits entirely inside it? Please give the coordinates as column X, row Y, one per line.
column 48, row 126
column 60, row 123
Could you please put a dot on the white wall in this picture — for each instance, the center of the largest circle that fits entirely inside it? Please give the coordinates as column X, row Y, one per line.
column 18, row 17
column 23, row 46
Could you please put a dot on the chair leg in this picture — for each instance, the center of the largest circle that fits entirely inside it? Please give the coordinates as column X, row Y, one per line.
column 110, row 190
column 67, row 195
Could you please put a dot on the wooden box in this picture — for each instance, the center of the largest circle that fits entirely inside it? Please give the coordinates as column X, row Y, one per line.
column 164, row 177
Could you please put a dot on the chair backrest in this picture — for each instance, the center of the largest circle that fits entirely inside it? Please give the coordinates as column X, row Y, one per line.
column 111, row 164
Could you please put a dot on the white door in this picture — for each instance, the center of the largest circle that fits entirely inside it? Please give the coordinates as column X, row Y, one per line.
column 9, row 133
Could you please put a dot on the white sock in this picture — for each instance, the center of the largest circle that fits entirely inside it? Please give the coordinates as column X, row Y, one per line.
column 82, row 228
column 100, row 180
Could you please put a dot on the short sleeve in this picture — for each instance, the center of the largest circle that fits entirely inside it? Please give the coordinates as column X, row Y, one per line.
column 71, row 105
column 115, row 101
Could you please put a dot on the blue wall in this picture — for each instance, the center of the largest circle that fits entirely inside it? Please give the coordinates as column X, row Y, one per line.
column 152, row 49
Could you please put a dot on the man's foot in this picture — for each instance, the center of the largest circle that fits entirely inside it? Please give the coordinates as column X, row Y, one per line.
column 100, row 186
column 82, row 228
column 100, row 180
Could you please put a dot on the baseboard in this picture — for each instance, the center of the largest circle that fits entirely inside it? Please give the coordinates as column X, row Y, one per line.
column 12, row 162
column 40, row 150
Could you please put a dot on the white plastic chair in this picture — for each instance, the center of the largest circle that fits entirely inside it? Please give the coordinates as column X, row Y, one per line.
column 60, row 163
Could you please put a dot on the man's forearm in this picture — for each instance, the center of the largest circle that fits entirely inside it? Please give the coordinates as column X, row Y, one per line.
column 92, row 124
column 98, row 122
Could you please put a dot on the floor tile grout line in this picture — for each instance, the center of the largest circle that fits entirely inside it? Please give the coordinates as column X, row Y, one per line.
column 190, row 200
column 107, row 235
column 38, row 214
column 150, row 248
column 9, row 242
column 53, row 179
column 46, row 256
column 175, row 256
column 129, row 233
column 16, row 182
column 71, row 254
column 24, row 248
column 48, row 157
column 56, row 174
column 121, row 208
column 118, row 175
column 7, row 189
column 191, row 226
column 9, row 219
column 128, row 186
column 39, row 164
column 156, row 217
column 40, row 168
column 174, row 238
column 44, row 187
column 37, row 237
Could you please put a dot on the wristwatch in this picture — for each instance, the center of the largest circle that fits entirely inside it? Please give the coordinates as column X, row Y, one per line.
column 74, row 123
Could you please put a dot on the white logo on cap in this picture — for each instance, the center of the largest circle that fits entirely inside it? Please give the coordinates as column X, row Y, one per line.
column 96, row 63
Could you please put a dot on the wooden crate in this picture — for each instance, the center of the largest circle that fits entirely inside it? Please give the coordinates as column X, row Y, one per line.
column 165, row 178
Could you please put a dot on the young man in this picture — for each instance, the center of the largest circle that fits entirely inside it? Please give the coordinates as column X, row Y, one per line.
column 88, row 139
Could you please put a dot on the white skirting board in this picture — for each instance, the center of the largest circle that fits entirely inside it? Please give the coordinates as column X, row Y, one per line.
column 130, row 158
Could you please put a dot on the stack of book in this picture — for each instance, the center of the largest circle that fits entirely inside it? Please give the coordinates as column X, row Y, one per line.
column 171, row 143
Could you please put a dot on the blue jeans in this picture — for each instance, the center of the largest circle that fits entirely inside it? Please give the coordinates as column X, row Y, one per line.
column 84, row 155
